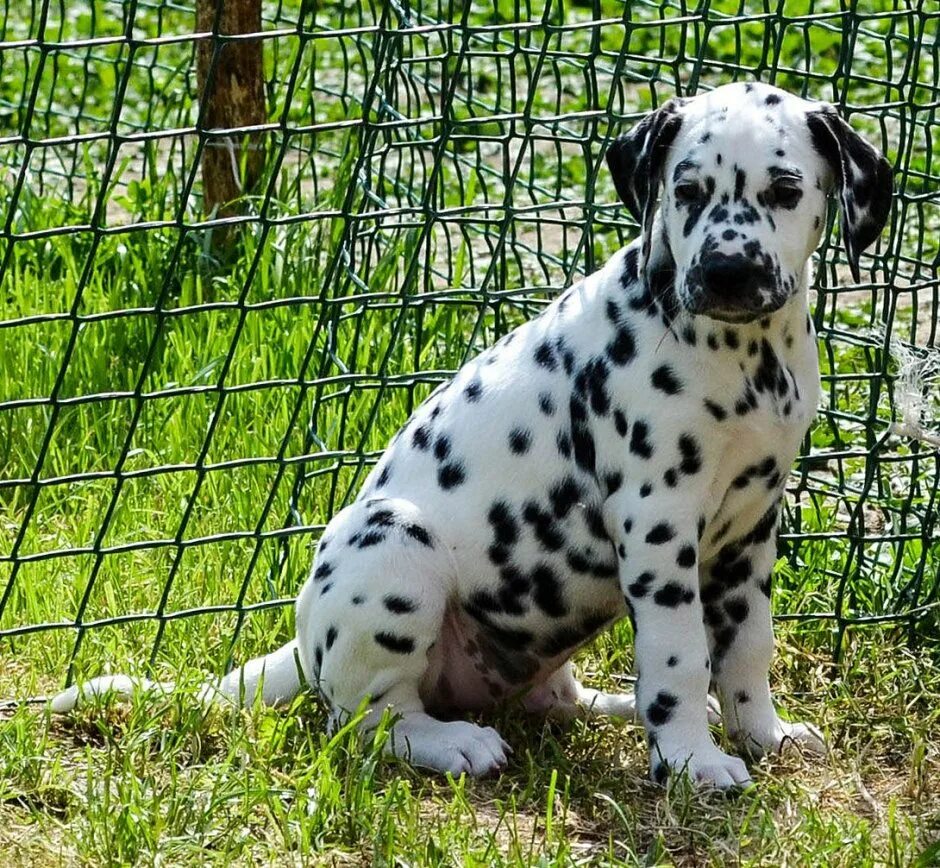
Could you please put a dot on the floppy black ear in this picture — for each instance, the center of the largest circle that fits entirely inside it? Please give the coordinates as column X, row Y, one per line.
column 863, row 177
column 636, row 163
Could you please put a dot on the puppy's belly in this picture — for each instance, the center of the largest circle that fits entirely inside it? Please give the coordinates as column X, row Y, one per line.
column 474, row 666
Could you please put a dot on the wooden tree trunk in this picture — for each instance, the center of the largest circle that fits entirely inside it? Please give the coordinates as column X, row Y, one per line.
column 231, row 88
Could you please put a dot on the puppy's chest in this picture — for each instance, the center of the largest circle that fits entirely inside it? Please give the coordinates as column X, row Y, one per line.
column 769, row 402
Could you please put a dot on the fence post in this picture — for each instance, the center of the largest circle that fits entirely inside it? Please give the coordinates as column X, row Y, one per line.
column 230, row 76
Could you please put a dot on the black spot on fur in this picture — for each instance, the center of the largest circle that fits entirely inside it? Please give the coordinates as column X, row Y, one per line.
column 659, row 712
column 578, row 562
column 381, row 518
column 746, row 403
column 546, row 531
column 519, row 441
column 330, row 637
column 394, row 643
column 665, row 380
column 731, row 570
column 737, row 609
column 639, row 440
column 372, row 538
column 716, row 410
column 612, row 482
column 473, row 390
column 595, row 374
column 545, row 356
column 740, row 178
column 399, row 605
column 672, row 594
column 323, row 571
column 719, row 214
column 567, row 361
column 484, row 602
column 630, row 272
column 421, row 438
column 595, row 523
column 505, row 527
column 686, row 556
column 672, row 661
column 546, row 404
column 762, row 531
column 620, row 423
column 546, row 592
column 416, row 532
column 691, row 455
column 622, row 349
column 581, row 438
column 442, row 447
column 450, row 475
column 498, row 554
column 660, row 533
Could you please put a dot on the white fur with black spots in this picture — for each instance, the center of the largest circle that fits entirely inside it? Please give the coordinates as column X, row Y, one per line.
column 623, row 453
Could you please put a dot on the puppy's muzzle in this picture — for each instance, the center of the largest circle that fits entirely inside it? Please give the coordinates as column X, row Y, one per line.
column 732, row 288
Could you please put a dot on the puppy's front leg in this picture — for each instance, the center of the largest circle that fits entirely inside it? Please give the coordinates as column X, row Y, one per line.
column 658, row 547
column 736, row 599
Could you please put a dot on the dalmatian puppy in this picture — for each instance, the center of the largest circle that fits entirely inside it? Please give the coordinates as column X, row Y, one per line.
column 623, row 454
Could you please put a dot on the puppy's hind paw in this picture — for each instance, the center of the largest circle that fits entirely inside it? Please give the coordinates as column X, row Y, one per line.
column 783, row 736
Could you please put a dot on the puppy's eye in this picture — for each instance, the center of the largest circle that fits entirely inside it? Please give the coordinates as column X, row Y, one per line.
column 783, row 195
column 688, row 192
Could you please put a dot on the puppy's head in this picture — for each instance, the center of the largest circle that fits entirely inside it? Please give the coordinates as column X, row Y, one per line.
column 741, row 176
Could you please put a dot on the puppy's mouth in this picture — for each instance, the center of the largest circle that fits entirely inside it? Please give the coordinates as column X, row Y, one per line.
column 732, row 315
column 720, row 310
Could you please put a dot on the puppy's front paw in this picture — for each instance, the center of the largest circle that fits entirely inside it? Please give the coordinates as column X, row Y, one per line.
column 706, row 766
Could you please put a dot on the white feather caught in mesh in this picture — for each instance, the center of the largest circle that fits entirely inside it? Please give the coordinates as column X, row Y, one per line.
column 916, row 392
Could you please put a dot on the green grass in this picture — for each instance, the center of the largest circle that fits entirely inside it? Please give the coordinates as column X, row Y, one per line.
column 161, row 782
column 223, row 387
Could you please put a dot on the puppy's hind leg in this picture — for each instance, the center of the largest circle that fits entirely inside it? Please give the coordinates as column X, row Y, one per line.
column 368, row 622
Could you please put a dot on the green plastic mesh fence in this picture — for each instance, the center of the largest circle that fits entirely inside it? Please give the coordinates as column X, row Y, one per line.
column 186, row 397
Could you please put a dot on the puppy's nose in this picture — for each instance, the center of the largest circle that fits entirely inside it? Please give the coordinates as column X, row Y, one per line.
column 730, row 278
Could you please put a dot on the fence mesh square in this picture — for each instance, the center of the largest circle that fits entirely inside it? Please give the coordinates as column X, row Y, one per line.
column 189, row 389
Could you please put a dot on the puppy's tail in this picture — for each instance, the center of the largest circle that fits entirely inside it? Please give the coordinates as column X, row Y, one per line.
column 278, row 675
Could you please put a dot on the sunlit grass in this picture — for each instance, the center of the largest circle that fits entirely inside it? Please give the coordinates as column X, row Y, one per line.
column 214, row 408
